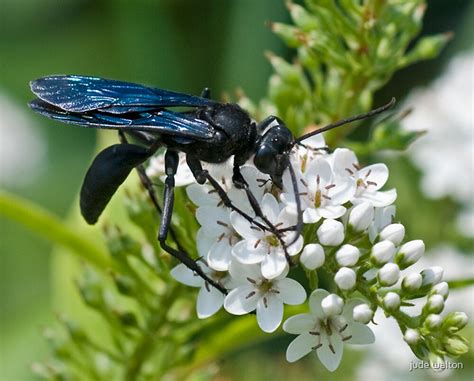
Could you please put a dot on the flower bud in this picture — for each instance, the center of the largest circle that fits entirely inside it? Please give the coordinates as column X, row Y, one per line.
column 362, row 313
column 412, row 282
column 331, row 233
column 393, row 233
column 388, row 275
column 432, row 275
column 361, row 216
column 391, row 301
column 411, row 336
column 435, row 304
column 457, row 320
column 332, row 305
column 433, row 321
column 382, row 252
column 455, row 346
column 347, row 255
column 345, row 278
column 409, row 253
column 312, row 256
column 441, row 289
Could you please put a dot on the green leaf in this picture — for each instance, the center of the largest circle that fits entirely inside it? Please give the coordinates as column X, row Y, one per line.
column 51, row 228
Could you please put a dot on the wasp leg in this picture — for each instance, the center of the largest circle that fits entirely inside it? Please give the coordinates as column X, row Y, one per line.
column 171, row 166
column 201, row 175
column 240, row 183
column 206, row 93
column 147, row 183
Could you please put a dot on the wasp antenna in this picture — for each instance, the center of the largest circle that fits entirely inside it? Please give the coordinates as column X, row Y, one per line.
column 342, row 122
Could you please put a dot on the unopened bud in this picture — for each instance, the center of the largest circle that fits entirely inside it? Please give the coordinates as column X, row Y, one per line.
column 332, row 305
column 361, row 216
column 312, row 256
column 411, row 336
column 442, row 289
column 393, row 233
column 331, row 233
column 410, row 253
column 412, row 282
column 362, row 313
column 382, row 252
column 435, row 304
column 347, row 255
column 391, row 301
column 455, row 346
column 345, row 278
column 433, row 321
column 388, row 275
column 456, row 320
column 432, row 275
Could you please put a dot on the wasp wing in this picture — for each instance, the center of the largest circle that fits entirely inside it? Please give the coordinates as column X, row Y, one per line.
column 161, row 121
column 77, row 93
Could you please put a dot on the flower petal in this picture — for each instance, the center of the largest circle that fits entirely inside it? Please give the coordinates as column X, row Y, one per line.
column 220, row 255
column 246, row 251
column 269, row 313
column 300, row 347
column 315, row 303
column 311, row 215
column 273, row 264
column 290, row 291
column 361, row 334
column 214, row 220
column 330, row 358
column 186, row 276
column 241, row 273
column 343, row 162
column 243, row 227
column 298, row 324
column 270, row 207
column 241, row 300
column 377, row 174
column 209, row 301
column 204, row 242
column 377, row 199
column 199, row 195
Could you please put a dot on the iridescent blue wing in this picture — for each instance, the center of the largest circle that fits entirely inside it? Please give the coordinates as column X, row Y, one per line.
column 77, row 93
column 160, row 121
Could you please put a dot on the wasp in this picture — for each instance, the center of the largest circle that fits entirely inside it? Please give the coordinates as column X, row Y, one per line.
column 209, row 131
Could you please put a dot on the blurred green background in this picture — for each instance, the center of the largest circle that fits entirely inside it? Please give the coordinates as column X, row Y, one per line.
column 182, row 45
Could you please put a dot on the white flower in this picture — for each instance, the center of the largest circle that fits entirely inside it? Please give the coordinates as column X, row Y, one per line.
column 255, row 292
column 363, row 313
column 156, row 169
column 393, row 232
column 388, row 275
column 409, row 253
column 347, row 255
column 264, row 247
column 321, row 196
column 305, row 154
column 216, row 237
column 312, row 256
column 361, row 216
column 368, row 180
column 331, row 233
column 382, row 252
column 325, row 334
column 209, row 299
column 205, row 194
column 345, row 278
column 332, row 305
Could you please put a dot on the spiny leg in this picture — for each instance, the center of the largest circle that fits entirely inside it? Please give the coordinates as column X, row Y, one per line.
column 240, row 183
column 148, row 185
column 171, row 167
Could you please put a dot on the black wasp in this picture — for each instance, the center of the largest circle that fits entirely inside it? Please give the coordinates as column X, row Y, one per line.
column 209, row 132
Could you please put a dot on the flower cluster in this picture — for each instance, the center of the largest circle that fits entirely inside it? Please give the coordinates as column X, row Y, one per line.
column 349, row 232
